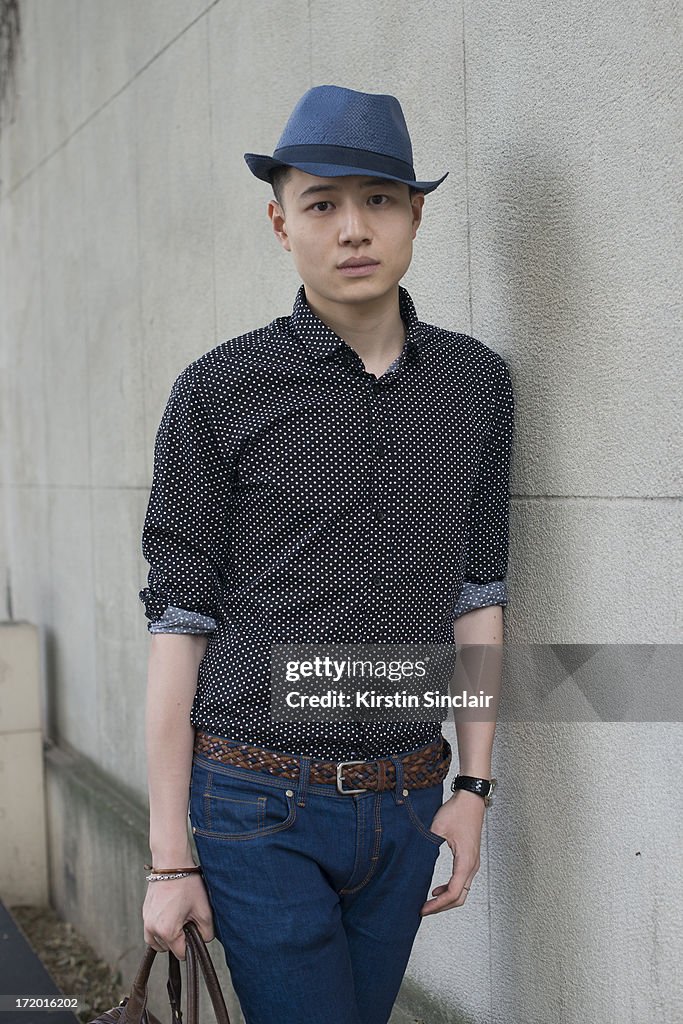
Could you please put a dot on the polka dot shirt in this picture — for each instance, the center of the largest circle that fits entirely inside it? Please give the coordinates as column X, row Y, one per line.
column 297, row 498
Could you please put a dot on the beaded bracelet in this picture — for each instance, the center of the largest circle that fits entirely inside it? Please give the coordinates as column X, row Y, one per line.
column 156, row 877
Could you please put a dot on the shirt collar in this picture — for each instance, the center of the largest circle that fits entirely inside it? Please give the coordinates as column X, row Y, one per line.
column 321, row 341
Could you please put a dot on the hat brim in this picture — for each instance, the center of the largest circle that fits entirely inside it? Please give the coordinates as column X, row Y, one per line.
column 263, row 166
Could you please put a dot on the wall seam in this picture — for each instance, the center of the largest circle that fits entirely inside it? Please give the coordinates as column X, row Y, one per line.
column 85, row 279
column 468, row 247
column 209, row 90
column 140, row 284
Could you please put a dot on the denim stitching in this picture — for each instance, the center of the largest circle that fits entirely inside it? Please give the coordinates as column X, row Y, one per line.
column 374, row 857
column 244, row 836
column 235, row 836
column 207, row 800
column 360, row 818
column 432, row 836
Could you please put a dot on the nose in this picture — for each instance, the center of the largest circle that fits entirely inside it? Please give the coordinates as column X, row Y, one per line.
column 353, row 227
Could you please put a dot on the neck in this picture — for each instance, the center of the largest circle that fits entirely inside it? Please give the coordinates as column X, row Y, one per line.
column 373, row 329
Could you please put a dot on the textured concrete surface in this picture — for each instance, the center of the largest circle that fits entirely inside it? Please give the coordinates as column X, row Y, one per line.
column 133, row 238
column 23, row 843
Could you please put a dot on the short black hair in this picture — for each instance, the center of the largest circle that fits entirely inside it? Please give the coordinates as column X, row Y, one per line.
column 280, row 176
column 278, row 179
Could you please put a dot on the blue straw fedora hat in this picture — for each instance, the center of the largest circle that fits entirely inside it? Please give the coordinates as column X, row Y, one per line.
column 334, row 131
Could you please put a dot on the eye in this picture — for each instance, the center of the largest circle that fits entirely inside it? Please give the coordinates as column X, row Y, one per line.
column 378, row 200
column 321, row 206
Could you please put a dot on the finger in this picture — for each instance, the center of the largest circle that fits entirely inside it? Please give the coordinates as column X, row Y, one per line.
column 153, row 940
column 470, row 881
column 446, row 897
column 441, row 903
column 453, row 887
column 461, row 877
column 442, row 889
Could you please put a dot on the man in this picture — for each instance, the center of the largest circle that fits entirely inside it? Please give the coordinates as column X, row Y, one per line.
column 339, row 476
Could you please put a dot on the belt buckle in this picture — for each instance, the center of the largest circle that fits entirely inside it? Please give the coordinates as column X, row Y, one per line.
column 340, row 782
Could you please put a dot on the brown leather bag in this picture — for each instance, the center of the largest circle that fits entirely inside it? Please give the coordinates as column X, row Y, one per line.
column 133, row 1009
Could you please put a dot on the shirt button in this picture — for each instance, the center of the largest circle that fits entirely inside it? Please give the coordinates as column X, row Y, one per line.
column 377, row 579
column 380, row 515
column 380, row 450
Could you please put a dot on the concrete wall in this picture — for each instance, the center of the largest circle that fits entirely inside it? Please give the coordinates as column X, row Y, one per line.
column 23, row 845
column 133, row 238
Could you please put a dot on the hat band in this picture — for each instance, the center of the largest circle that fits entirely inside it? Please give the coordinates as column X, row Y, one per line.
column 346, row 157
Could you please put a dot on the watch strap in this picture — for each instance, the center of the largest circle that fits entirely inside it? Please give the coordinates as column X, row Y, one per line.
column 482, row 787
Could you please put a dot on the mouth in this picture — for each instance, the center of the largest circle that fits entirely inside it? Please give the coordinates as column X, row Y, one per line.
column 358, row 266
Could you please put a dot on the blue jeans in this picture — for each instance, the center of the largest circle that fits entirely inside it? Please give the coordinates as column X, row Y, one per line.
column 316, row 895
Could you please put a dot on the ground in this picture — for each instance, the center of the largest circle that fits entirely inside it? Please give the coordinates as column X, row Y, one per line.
column 69, row 959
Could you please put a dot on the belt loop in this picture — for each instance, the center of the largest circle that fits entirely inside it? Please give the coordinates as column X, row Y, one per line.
column 398, row 791
column 304, row 771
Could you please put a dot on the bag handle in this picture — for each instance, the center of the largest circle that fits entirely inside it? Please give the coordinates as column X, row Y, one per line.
column 197, row 958
column 197, row 953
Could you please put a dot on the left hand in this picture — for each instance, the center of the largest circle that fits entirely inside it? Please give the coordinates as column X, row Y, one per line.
column 459, row 820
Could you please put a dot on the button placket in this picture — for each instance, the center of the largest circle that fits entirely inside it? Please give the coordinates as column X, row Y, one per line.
column 379, row 446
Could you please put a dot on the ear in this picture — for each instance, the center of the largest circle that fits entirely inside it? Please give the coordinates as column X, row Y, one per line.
column 277, row 219
column 417, row 203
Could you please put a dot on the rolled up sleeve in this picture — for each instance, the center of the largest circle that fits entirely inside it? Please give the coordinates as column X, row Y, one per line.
column 185, row 533
column 486, row 562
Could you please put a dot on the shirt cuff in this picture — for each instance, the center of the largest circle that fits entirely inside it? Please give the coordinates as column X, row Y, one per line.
column 178, row 620
column 481, row 595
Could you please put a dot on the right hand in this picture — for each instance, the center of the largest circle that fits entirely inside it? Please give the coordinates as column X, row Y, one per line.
column 168, row 906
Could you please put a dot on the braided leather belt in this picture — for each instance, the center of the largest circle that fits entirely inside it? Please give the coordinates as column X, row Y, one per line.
column 421, row 768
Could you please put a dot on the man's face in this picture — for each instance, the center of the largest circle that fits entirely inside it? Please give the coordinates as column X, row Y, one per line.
column 351, row 237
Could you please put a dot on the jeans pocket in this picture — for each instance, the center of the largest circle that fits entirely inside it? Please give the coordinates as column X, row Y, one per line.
column 230, row 807
column 422, row 805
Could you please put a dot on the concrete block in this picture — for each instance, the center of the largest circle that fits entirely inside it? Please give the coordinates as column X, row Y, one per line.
column 573, row 578
column 176, row 257
column 5, row 609
column 573, row 170
column 71, row 639
column 112, row 291
column 28, row 554
column 23, row 848
column 66, row 396
column 19, row 678
column 122, row 637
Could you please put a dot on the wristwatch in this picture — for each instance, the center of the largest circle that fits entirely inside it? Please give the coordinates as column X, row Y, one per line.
column 482, row 787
